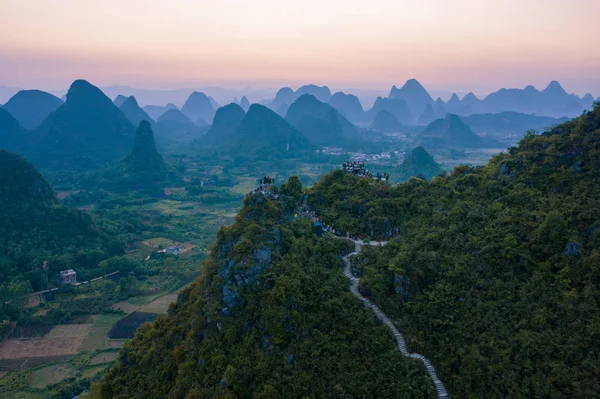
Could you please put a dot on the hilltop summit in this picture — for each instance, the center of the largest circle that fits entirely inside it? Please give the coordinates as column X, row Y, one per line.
column 85, row 131
column 414, row 94
column 144, row 157
column 417, row 164
column 31, row 107
column 199, row 106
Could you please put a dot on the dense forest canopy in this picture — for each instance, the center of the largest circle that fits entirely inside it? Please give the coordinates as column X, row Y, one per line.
column 493, row 270
column 34, row 228
column 270, row 317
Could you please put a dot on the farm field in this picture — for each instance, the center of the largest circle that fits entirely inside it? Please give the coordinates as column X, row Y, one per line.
column 126, row 327
column 97, row 338
column 44, row 376
column 61, row 340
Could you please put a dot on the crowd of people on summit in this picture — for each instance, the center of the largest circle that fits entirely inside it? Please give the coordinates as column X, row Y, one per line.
column 357, row 168
column 266, row 187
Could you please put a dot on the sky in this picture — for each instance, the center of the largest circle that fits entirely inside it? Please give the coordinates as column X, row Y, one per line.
column 456, row 45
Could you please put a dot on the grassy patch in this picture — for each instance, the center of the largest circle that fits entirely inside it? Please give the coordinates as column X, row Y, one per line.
column 142, row 300
column 52, row 374
column 92, row 371
column 97, row 338
column 104, row 357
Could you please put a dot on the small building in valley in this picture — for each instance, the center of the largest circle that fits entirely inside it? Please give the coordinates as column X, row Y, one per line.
column 68, row 276
column 175, row 249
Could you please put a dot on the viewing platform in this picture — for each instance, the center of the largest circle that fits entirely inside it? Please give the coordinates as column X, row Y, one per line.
column 357, row 168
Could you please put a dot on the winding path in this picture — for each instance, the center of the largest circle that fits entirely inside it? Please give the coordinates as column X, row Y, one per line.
column 354, row 281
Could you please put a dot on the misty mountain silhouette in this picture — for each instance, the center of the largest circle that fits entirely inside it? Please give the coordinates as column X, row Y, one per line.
column 450, row 131
column 144, row 157
column 414, row 94
column 12, row 135
column 244, row 103
column 134, row 113
column 119, row 100
column 31, row 107
column 427, row 116
column 396, row 107
column 155, row 111
column 320, row 123
column 264, row 134
column 348, row 105
column 88, row 129
column 199, row 106
column 226, row 122
column 417, row 164
column 386, row 122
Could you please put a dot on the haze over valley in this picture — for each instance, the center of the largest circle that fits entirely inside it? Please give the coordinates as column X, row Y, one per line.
column 326, row 199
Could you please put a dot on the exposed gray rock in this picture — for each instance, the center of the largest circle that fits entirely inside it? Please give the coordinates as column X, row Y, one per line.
column 277, row 234
column 263, row 255
column 505, row 170
column 402, row 286
column 572, row 249
column 231, row 297
column 225, row 269
column 225, row 248
column 254, row 272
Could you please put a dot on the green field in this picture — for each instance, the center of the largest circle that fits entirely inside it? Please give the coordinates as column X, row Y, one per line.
column 98, row 336
column 48, row 375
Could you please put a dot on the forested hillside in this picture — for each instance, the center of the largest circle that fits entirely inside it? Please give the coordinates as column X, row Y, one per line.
column 34, row 228
column 494, row 271
column 271, row 316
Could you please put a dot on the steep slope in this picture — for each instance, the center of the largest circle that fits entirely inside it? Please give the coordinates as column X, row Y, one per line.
column 264, row 134
column 174, row 127
column 155, row 111
column 414, row 94
column 508, row 124
column 427, row 116
column 144, row 157
column 397, row 107
column 199, row 106
column 286, row 96
column 134, row 113
column 12, row 136
column 271, row 316
column 552, row 101
column 226, row 122
column 119, row 100
column 440, row 108
column 386, row 122
column 417, row 164
column 34, row 228
column 86, row 131
column 471, row 102
column 322, row 93
column 320, row 123
column 492, row 271
column 450, row 131
column 348, row 105
column 244, row 103
column 175, row 116
column 31, row 107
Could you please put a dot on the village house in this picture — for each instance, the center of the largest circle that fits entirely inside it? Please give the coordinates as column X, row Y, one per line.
column 175, row 249
column 68, row 276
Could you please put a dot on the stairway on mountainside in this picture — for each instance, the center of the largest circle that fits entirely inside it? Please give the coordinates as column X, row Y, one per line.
column 354, row 281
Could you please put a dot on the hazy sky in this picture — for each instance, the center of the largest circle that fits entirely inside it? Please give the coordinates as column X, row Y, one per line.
column 462, row 45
